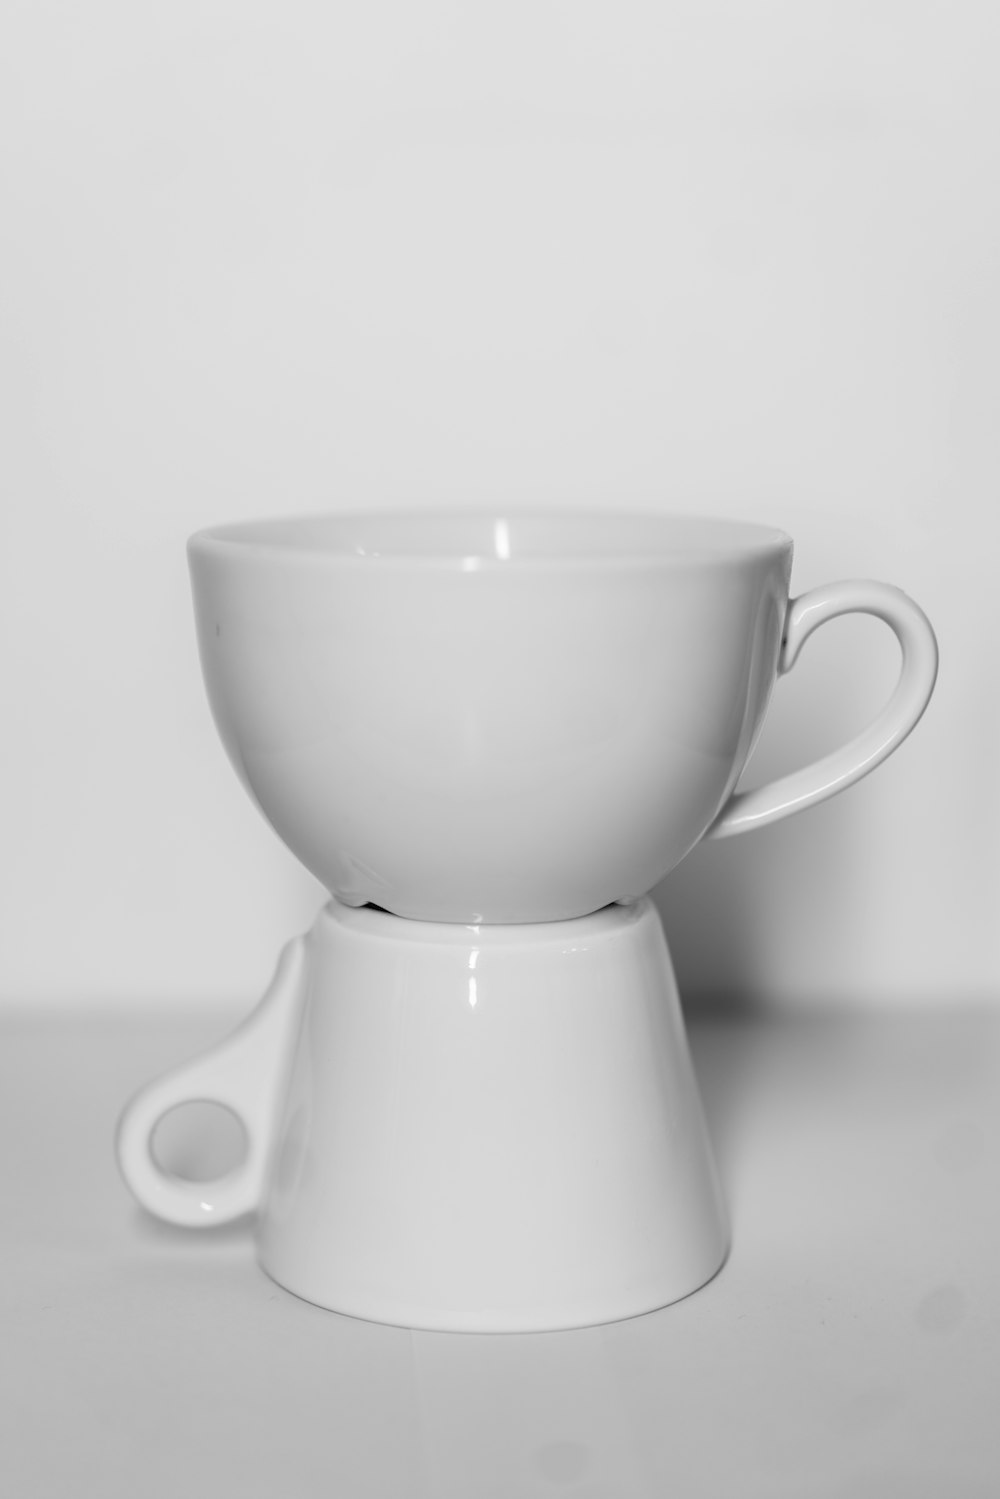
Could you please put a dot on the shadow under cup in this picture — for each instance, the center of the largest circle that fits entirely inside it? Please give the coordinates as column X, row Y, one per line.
column 490, row 719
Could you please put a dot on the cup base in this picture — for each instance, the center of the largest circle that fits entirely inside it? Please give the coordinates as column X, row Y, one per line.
column 422, row 1319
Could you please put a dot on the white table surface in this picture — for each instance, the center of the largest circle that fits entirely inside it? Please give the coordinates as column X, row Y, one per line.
column 849, row 1349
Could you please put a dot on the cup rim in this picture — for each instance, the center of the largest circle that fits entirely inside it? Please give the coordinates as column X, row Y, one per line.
column 700, row 539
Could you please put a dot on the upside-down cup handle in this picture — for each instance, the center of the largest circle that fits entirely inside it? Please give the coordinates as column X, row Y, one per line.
column 824, row 778
column 245, row 1074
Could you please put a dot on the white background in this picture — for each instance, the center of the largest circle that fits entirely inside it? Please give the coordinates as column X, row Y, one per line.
column 739, row 258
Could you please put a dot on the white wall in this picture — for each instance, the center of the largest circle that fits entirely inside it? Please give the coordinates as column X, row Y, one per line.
column 731, row 257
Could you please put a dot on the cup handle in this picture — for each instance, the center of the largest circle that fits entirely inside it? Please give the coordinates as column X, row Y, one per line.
column 246, row 1074
column 804, row 788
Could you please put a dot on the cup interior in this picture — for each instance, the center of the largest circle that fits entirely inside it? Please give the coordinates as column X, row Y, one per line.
column 463, row 537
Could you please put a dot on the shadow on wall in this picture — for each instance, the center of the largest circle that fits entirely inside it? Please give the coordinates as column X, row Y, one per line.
column 723, row 910
column 740, row 915
column 725, row 915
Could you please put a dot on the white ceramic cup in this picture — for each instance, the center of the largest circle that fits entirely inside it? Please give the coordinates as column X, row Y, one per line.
column 521, row 717
column 487, row 1129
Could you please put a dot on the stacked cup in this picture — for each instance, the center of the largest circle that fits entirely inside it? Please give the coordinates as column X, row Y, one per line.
column 467, row 1094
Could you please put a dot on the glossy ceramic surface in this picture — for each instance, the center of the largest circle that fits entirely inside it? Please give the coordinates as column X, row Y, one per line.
column 484, row 1117
column 518, row 718
column 461, row 1128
